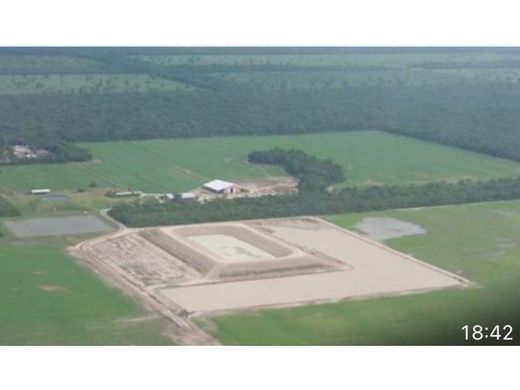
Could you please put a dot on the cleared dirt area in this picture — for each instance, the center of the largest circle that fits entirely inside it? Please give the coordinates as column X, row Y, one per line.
column 374, row 270
column 195, row 269
column 56, row 226
column 274, row 185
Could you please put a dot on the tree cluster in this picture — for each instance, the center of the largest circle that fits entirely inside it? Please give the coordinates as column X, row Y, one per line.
column 314, row 174
column 308, row 203
column 55, row 151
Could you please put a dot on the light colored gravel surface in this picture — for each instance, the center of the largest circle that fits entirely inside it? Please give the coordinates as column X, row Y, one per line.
column 375, row 269
column 381, row 229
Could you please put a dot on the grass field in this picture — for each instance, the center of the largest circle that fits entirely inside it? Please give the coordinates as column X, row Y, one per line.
column 85, row 83
column 46, row 298
column 480, row 242
column 181, row 164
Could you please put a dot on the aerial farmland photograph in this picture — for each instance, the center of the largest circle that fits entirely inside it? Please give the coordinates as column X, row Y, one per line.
column 272, row 196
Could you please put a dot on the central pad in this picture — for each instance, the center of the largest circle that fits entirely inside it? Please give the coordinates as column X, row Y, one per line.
column 235, row 251
column 230, row 249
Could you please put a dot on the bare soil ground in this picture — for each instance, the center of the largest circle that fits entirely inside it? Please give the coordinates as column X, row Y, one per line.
column 274, row 185
column 314, row 261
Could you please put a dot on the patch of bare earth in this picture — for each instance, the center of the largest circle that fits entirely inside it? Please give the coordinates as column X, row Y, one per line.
column 52, row 288
column 382, row 229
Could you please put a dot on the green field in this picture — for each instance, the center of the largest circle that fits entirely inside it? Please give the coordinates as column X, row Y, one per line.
column 181, row 164
column 85, row 83
column 480, row 242
column 48, row 299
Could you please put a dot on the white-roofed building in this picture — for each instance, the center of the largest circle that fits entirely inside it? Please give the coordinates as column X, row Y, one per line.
column 222, row 187
column 40, row 191
column 187, row 195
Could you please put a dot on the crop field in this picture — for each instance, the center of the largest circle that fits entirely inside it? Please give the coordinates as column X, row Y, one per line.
column 480, row 242
column 181, row 164
column 48, row 299
column 85, row 83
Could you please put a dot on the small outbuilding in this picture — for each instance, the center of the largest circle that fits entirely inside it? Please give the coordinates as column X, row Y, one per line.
column 222, row 187
column 187, row 195
column 40, row 191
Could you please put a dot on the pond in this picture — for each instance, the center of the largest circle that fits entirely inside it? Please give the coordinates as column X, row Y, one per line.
column 56, row 226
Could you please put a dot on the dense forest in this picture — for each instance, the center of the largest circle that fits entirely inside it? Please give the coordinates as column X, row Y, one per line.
column 314, row 175
column 471, row 111
column 308, row 203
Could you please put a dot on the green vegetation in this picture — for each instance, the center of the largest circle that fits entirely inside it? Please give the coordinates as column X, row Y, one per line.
column 69, row 100
column 48, row 299
column 54, row 151
column 42, row 64
column 338, row 57
column 85, row 83
column 7, row 209
column 461, row 97
column 313, row 174
column 179, row 165
column 480, row 242
column 315, row 203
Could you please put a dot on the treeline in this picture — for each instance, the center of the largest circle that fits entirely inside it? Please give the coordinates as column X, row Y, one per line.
column 266, row 67
column 118, row 61
column 61, row 151
column 314, row 174
column 496, row 64
column 7, row 209
column 306, row 203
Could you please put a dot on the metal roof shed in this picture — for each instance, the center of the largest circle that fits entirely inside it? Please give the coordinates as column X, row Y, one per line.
column 218, row 185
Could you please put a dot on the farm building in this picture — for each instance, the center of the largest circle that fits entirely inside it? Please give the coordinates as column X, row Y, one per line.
column 123, row 194
column 187, row 195
column 222, row 187
column 40, row 191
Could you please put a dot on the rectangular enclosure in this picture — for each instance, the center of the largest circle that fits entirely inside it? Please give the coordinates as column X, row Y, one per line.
column 370, row 269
